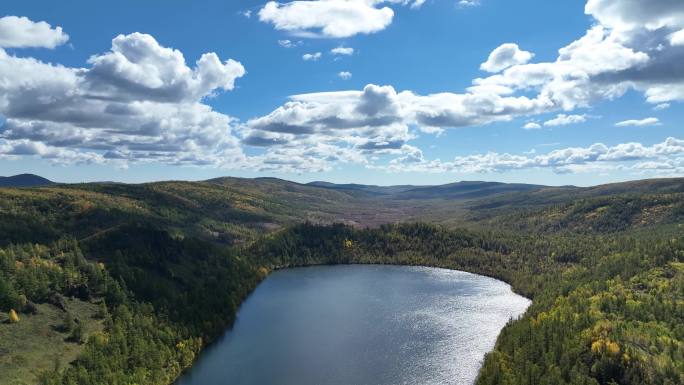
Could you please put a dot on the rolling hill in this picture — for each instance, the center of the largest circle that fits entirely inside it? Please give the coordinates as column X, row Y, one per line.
column 24, row 180
column 369, row 189
column 466, row 190
column 133, row 263
column 452, row 191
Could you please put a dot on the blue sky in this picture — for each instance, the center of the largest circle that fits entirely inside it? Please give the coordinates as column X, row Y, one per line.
column 397, row 107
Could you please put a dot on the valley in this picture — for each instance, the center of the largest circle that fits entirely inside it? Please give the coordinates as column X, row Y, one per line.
column 602, row 265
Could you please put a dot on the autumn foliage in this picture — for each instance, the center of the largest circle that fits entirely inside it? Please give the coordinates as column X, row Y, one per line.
column 13, row 316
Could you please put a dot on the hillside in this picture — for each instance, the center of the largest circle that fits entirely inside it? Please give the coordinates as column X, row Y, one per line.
column 466, row 190
column 24, row 180
column 610, row 207
column 452, row 191
column 235, row 210
column 553, row 195
column 227, row 210
column 123, row 271
column 369, row 189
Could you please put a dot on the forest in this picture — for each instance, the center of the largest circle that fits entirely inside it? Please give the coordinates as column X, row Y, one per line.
column 134, row 281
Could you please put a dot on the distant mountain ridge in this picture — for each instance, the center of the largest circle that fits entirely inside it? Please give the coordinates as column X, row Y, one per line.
column 24, row 180
column 487, row 194
column 458, row 190
column 372, row 189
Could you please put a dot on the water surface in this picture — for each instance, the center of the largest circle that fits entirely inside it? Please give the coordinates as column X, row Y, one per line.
column 361, row 325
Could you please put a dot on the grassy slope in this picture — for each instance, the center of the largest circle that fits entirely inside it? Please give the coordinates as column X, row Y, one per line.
column 36, row 344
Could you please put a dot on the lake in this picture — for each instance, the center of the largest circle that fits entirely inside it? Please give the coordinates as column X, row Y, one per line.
column 361, row 325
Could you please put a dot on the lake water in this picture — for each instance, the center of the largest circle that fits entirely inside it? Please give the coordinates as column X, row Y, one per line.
column 361, row 325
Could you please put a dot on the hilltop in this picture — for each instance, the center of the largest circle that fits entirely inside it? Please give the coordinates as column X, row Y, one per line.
column 24, row 180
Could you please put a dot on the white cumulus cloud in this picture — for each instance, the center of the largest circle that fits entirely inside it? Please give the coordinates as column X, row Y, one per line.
column 504, row 56
column 638, row 122
column 342, row 51
column 677, row 38
column 564, row 120
column 139, row 102
column 21, row 32
column 668, row 154
column 142, row 101
column 622, row 51
column 311, row 56
column 328, row 18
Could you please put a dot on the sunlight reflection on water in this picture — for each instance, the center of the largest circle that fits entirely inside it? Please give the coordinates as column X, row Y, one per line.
column 375, row 325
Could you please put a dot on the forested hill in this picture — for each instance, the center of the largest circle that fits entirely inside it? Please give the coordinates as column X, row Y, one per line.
column 24, row 180
column 108, row 283
column 451, row 191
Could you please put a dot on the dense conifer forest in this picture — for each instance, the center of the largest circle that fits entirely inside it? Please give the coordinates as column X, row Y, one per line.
column 134, row 280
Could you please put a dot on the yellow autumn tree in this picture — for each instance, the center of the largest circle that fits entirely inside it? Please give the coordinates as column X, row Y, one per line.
column 13, row 316
column 262, row 271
